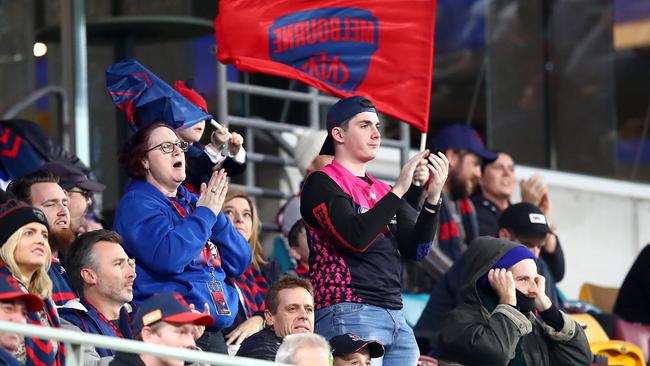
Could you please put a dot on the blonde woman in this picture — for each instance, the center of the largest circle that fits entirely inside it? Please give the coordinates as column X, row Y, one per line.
column 253, row 284
column 25, row 254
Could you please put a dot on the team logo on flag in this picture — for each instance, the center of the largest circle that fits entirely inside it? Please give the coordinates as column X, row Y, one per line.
column 334, row 45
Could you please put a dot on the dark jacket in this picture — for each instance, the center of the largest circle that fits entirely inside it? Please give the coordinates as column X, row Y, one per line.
column 445, row 297
column 126, row 359
column 482, row 332
column 262, row 345
column 86, row 318
column 633, row 301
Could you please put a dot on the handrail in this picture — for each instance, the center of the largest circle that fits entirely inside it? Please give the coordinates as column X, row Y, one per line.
column 62, row 97
column 82, row 340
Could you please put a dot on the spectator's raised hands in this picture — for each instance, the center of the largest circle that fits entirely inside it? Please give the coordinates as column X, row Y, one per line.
column 421, row 174
column 533, row 190
column 439, row 168
column 503, row 284
column 542, row 302
column 214, row 193
column 235, row 143
column 197, row 330
column 249, row 327
column 220, row 135
column 405, row 177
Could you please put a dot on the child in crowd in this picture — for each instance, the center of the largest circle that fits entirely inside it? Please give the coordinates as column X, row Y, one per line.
column 225, row 149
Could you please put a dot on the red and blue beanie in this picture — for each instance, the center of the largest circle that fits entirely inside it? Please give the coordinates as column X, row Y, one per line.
column 15, row 214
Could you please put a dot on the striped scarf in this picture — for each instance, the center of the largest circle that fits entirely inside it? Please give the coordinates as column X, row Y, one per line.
column 253, row 287
column 449, row 235
column 41, row 352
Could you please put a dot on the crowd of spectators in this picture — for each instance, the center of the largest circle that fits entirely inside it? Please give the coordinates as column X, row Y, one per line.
column 183, row 264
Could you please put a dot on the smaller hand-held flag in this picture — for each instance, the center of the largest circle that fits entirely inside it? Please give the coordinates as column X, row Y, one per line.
column 146, row 99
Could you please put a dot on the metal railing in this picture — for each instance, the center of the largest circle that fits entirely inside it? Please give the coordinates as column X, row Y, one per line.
column 315, row 100
column 62, row 100
column 76, row 342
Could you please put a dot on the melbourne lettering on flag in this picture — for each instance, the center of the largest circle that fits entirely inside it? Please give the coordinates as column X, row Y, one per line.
column 382, row 50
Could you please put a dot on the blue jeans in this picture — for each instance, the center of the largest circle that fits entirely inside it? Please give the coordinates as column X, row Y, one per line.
column 371, row 322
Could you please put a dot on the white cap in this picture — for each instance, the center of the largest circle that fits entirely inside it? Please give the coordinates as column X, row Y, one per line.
column 307, row 148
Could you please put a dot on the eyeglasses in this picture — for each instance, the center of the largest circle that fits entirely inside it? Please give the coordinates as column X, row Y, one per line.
column 87, row 194
column 168, row 147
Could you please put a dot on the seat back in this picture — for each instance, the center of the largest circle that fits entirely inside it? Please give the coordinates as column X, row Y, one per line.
column 635, row 333
column 593, row 329
column 619, row 353
column 603, row 297
column 413, row 306
column 427, row 361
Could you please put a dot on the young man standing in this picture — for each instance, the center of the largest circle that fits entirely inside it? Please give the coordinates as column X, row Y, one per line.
column 359, row 228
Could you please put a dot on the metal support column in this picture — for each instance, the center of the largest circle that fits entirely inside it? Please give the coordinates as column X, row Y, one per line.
column 75, row 76
column 222, row 94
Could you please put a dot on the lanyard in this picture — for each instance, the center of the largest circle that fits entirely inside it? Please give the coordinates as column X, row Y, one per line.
column 210, row 252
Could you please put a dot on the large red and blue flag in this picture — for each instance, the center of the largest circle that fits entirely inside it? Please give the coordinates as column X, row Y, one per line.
column 382, row 50
column 146, row 99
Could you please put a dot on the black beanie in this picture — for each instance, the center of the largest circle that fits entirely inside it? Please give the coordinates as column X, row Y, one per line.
column 14, row 215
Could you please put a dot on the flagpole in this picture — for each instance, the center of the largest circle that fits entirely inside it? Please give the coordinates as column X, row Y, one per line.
column 423, row 145
column 423, row 141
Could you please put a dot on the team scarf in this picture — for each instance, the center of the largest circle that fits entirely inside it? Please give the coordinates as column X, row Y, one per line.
column 449, row 235
column 41, row 352
column 253, row 287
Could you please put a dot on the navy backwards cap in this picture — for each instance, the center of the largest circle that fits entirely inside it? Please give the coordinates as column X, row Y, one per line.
column 70, row 176
column 461, row 137
column 349, row 343
column 342, row 111
column 524, row 218
column 169, row 307
column 15, row 214
column 10, row 290
column 514, row 256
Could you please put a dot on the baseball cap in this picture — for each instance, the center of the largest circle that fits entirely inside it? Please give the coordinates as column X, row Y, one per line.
column 169, row 307
column 458, row 136
column 350, row 343
column 10, row 290
column 340, row 112
column 524, row 218
column 70, row 176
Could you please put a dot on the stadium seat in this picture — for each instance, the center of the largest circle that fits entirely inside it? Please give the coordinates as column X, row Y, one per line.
column 603, row 297
column 427, row 361
column 619, row 353
column 594, row 331
column 635, row 333
column 281, row 255
column 413, row 306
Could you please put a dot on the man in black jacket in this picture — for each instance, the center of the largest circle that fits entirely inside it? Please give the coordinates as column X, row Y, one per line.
column 523, row 223
column 289, row 310
column 505, row 317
